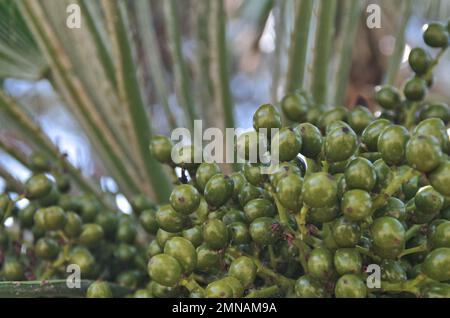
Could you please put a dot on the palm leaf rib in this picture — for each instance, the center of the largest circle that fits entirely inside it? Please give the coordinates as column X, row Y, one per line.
column 41, row 140
column 131, row 98
column 71, row 89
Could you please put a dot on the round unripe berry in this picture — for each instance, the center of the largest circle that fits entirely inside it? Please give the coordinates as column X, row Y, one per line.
column 370, row 135
column 218, row 190
column 286, row 144
column 183, row 251
column 350, row 286
column 359, row 118
column 360, row 174
column 12, row 269
column 423, row 153
column 387, row 96
column 169, row 219
column 55, row 218
column 148, row 221
column 356, row 205
column 205, row 172
column 428, row 200
column 140, row 203
column 252, row 173
column 258, row 208
column 436, row 35
column 440, row 178
column 308, row 287
column 346, row 233
column 347, row 261
column 415, row 89
column 207, row 259
column 247, row 145
column 436, row 110
column 25, row 215
column 39, row 162
column 295, row 107
column 244, row 269
column 336, row 114
column 218, row 289
column 441, row 235
column 312, row 139
column 388, row 235
column 437, row 264
column 165, row 270
column 185, row 199
column 289, row 191
column 320, row 190
column 84, row 259
column 392, row 144
column 215, row 234
column 194, row 235
column 419, row 60
column 161, row 148
column 340, row 144
column 266, row 116
column 262, row 231
column 320, row 263
column 185, row 157
column 152, row 249
column 91, row 235
column 46, row 248
column 38, row 186
column 99, row 290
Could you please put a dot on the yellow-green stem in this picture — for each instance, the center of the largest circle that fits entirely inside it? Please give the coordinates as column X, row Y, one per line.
column 264, row 292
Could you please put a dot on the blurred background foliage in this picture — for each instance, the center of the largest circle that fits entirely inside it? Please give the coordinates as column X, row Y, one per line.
column 90, row 98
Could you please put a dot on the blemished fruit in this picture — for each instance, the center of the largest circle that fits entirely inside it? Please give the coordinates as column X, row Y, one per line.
column 356, row 205
column 340, row 144
column 350, row 286
column 352, row 188
column 371, row 133
column 312, row 139
column 185, row 199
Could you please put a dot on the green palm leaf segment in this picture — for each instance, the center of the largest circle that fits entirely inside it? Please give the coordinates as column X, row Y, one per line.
column 39, row 139
column 104, row 94
column 19, row 53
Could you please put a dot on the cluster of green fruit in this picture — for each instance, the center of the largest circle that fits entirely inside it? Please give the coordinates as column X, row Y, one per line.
column 57, row 228
column 352, row 190
column 309, row 228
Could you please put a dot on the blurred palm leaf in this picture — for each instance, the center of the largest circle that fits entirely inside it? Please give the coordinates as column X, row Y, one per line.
column 19, row 54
